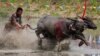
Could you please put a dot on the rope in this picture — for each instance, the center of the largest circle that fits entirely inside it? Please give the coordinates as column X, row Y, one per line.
column 85, row 6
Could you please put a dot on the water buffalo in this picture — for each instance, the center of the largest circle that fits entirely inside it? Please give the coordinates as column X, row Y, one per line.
column 59, row 28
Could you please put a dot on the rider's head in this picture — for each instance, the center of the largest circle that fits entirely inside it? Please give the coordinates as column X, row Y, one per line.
column 19, row 11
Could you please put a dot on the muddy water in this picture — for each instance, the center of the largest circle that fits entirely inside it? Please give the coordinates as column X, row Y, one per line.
column 24, row 43
column 25, row 38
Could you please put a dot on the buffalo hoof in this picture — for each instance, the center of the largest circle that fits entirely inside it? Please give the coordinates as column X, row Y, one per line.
column 81, row 43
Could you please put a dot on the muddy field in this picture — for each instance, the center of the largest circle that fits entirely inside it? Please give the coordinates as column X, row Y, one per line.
column 24, row 43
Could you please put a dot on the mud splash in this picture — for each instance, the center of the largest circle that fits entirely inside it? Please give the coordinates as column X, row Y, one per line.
column 25, row 38
column 18, row 39
column 22, row 39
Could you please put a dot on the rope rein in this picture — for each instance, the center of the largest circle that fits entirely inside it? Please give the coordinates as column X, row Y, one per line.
column 85, row 7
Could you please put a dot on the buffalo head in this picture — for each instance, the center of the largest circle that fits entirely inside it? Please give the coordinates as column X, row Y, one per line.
column 88, row 23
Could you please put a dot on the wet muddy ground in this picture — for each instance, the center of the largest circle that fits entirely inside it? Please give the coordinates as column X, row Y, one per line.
column 44, row 53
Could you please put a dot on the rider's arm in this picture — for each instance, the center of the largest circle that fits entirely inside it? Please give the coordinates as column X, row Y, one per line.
column 13, row 20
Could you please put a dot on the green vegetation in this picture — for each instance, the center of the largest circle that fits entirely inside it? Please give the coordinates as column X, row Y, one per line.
column 66, row 7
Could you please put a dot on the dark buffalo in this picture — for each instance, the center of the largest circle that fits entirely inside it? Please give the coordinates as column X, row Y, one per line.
column 59, row 28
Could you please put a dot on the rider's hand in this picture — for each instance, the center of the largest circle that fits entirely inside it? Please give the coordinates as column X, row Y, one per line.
column 17, row 27
column 20, row 27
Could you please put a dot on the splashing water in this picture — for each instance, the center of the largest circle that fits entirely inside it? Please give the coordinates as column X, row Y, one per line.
column 21, row 39
column 27, row 39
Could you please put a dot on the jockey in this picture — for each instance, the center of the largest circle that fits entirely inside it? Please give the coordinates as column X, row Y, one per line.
column 16, row 18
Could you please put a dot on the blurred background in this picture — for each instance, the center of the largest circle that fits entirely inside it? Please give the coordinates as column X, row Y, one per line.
column 34, row 9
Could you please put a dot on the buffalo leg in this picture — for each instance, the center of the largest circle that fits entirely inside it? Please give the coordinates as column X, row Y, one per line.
column 39, row 38
column 81, row 43
column 82, row 38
